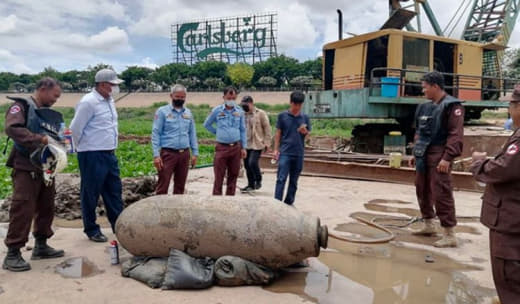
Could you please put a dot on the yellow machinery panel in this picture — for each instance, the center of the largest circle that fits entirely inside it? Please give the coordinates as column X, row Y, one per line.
column 469, row 62
column 349, row 67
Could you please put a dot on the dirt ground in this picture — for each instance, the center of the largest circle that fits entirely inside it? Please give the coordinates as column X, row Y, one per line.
column 148, row 99
column 383, row 273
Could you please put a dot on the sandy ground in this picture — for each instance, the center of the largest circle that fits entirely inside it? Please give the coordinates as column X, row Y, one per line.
column 148, row 99
column 333, row 200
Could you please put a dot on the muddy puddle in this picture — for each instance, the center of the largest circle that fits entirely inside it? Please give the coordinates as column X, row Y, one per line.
column 78, row 267
column 386, row 273
column 381, row 274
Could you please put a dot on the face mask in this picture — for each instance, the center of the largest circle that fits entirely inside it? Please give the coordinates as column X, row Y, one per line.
column 230, row 103
column 115, row 90
column 178, row 103
column 245, row 107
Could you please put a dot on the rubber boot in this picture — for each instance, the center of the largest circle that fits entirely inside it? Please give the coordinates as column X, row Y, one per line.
column 428, row 228
column 448, row 239
column 14, row 261
column 43, row 251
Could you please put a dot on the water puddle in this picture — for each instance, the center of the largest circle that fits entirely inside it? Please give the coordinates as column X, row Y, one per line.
column 78, row 267
column 381, row 274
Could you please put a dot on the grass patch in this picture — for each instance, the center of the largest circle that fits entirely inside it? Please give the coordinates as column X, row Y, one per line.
column 137, row 160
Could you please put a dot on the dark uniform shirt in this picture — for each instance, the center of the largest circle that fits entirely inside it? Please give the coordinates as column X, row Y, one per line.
column 15, row 128
column 501, row 200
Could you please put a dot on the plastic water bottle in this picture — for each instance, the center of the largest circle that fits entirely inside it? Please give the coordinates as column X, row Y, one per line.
column 67, row 138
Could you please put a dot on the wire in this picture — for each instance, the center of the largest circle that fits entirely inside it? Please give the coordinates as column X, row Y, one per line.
column 385, row 239
column 454, row 15
column 460, row 18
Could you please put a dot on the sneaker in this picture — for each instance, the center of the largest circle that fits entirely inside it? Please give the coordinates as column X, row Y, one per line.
column 247, row 189
column 98, row 238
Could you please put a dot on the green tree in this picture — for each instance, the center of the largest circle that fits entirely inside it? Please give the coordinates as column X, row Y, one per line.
column 266, row 82
column 134, row 73
column 49, row 72
column 301, row 82
column 6, row 78
column 213, row 83
column 240, row 74
column 312, row 68
column 282, row 68
column 206, row 69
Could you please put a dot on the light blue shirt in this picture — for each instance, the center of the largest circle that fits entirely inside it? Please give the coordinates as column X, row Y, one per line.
column 508, row 125
column 174, row 129
column 231, row 125
column 94, row 126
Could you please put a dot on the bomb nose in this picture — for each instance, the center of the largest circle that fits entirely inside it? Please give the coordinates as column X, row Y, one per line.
column 323, row 236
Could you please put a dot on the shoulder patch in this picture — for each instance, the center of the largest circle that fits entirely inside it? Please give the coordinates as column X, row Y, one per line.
column 512, row 149
column 457, row 112
column 15, row 109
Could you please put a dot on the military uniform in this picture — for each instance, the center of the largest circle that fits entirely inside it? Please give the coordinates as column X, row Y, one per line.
column 439, row 136
column 31, row 197
column 501, row 214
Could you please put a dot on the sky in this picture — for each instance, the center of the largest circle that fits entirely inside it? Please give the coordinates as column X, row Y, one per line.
column 69, row 35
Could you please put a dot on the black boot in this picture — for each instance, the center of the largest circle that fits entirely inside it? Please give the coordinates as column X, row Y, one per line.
column 14, row 261
column 258, row 185
column 43, row 251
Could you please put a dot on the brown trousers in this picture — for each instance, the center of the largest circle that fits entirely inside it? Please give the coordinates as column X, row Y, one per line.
column 31, row 200
column 506, row 272
column 227, row 158
column 434, row 189
column 175, row 163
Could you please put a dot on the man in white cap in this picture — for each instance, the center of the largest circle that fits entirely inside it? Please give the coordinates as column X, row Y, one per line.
column 94, row 132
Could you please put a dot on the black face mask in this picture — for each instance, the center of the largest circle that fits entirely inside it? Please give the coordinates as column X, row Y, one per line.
column 245, row 107
column 178, row 103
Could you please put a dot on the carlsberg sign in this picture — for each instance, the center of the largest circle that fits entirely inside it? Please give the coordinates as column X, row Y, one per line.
column 206, row 38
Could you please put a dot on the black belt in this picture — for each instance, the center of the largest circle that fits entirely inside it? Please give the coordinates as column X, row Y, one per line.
column 230, row 144
column 108, row 151
column 175, row 150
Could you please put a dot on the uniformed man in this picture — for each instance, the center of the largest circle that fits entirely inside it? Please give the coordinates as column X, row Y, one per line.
column 501, row 207
column 231, row 141
column 95, row 135
column 258, row 140
column 30, row 123
column 438, row 141
column 173, row 134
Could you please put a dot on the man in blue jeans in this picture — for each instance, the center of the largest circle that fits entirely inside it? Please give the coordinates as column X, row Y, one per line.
column 94, row 132
column 292, row 127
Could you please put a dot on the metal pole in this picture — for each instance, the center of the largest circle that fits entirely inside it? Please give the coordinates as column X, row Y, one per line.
column 431, row 17
column 340, row 24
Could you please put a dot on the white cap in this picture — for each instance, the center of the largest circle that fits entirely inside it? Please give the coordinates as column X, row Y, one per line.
column 107, row 75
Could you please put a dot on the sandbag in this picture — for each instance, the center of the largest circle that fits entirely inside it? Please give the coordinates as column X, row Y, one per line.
column 185, row 272
column 146, row 270
column 235, row 271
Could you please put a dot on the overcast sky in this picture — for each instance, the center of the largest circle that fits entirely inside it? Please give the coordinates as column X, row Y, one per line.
column 74, row 34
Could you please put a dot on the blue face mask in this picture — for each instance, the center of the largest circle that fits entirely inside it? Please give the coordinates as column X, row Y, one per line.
column 230, row 103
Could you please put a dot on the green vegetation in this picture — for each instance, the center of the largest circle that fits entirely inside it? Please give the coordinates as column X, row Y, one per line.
column 280, row 72
column 136, row 159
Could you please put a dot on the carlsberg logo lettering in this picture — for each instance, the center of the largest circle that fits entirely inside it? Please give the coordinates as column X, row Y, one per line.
column 216, row 38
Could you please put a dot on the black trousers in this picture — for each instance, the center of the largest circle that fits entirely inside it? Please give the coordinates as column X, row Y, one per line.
column 252, row 167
